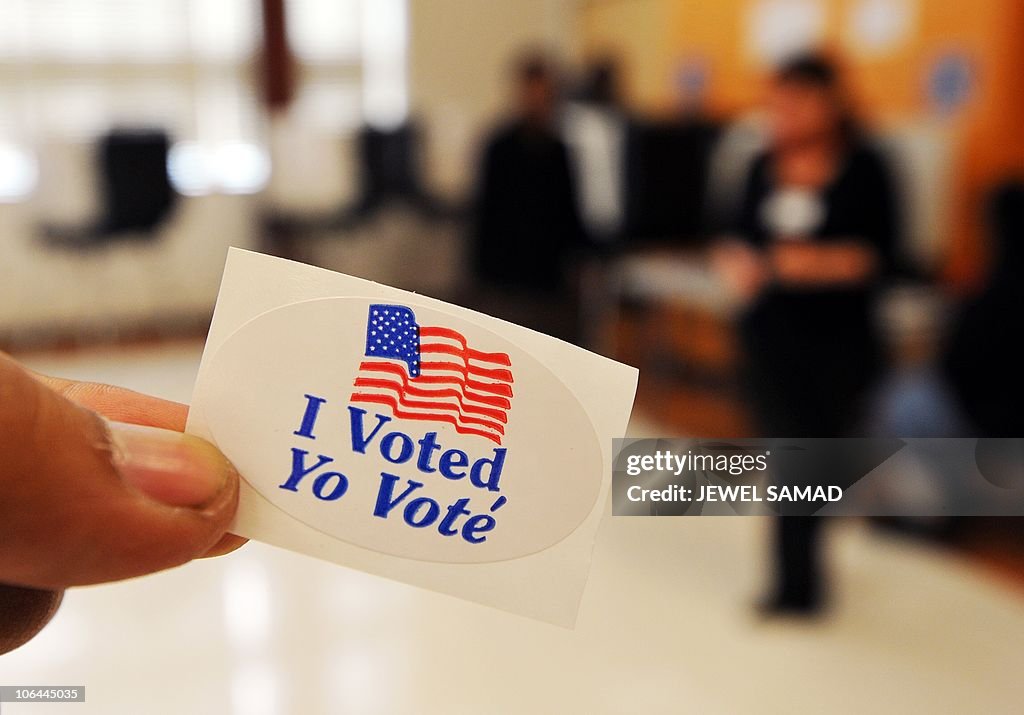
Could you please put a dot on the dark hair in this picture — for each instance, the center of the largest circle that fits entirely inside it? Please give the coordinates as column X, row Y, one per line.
column 817, row 70
column 811, row 69
column 534, row 67
column 601, row 82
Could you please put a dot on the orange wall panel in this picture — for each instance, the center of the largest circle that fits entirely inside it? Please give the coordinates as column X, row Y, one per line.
column 655, row 37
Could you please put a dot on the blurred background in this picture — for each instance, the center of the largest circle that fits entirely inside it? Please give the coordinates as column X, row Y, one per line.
column 573, row 165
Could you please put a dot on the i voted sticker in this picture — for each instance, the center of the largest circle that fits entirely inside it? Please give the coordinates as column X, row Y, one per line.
column 410, row 438
column 403, row 429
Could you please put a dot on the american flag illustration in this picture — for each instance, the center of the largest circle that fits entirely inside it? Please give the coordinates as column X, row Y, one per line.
column 431, row 373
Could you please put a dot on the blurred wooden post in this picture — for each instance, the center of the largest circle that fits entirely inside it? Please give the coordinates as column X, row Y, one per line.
column 278, row 66
column 277, row 72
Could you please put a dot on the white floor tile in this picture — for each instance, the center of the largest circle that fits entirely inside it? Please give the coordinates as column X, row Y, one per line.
column 665, row 627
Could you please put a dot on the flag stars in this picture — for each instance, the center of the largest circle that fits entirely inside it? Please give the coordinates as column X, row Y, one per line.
column 392, row 333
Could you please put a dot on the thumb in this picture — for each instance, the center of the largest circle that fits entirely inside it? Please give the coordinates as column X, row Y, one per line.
column 83, row 500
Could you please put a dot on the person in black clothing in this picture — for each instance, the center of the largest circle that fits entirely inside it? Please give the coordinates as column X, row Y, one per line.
column 986, row 350
column 525, row 219
column 815, row 232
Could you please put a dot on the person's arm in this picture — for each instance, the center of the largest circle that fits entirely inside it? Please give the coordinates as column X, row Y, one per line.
column 859, row 259
column 740, row 268
column 848, row 263
column 486, row 203
column 737, row 257
column 98, row 484
column 574, row 231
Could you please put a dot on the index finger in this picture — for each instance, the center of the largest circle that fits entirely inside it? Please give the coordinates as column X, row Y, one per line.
column 120, row 404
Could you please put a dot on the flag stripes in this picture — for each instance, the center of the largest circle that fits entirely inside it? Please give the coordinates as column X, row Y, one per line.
column 453, row 383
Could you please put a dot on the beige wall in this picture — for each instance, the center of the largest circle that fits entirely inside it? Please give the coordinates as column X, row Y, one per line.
column 459, row 55
column 639, row 33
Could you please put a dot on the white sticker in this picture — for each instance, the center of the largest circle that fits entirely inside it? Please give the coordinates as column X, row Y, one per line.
column 408, row 437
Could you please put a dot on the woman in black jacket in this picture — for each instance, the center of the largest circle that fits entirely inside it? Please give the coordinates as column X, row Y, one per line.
column 816, row 230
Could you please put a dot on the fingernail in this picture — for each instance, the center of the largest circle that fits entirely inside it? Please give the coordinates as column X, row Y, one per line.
column 169, row 467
